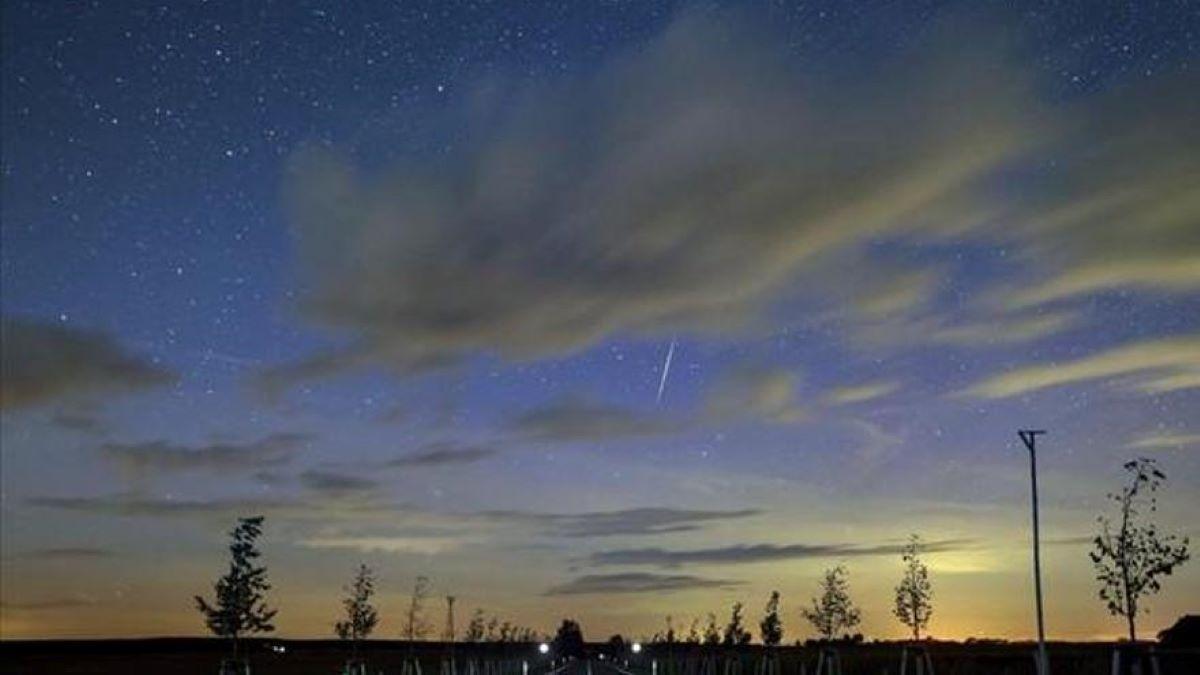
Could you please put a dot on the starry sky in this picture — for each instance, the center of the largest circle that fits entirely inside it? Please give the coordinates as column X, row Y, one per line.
column 405, row 277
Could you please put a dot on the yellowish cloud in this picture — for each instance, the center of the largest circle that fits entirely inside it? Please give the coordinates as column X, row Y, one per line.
column 862, row 392
column 1168, row 354
column 1007, row 330
column 1188, row 379
column 1165, row 440
column 1153, row 273
column 748, row 392
column 395, row 545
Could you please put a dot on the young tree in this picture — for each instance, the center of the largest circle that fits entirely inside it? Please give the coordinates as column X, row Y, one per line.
column 361, row 616
column 735, row 632
column 914, row 594
column 239, row 606
column 693, row 636
column 834, row 612
column 712, row 634
column 449, row 634
column 475, row 629
column 569, row 640
column 669, row 636
column 771, row 628
column 415, row 625
column 1130, row 560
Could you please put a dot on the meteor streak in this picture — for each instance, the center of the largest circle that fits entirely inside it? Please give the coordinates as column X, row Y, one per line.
column 662, row 382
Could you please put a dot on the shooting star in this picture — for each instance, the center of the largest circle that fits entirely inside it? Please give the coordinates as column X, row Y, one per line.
column 662, row 382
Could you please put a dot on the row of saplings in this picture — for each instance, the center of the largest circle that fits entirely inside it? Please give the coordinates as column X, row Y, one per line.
column 1129, row 553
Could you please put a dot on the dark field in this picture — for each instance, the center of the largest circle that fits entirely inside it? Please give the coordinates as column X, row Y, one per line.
column 202, row 656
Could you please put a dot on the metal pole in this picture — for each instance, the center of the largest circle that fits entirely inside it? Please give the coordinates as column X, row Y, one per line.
column 1029, row 438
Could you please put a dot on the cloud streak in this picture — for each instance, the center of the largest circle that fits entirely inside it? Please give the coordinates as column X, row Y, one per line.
column 443, row 454
column 758, row 553
column 84, row 553
column 165, row 457
column 41, row 361
column 637, row 582
column 679, row 187
column 332, row 483
column 1170, row 355
column 860, row 393
column 1166, row 440
column 576, row 419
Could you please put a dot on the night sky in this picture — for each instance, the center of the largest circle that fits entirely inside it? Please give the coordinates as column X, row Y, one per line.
column 404, row 278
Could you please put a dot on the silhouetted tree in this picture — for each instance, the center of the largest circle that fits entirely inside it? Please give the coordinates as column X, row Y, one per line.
column 771, row 628
column 415, row 625
column 449, row 632
column 361, row 617
column 693, row 636
column 914, row 594
column 616, row 646
column 1130, row 560
column 239, row 606
column 735, row 632
column 712, row 634
column 568, row 642
column 669, row 636
column 475, row 628
column 834, row 612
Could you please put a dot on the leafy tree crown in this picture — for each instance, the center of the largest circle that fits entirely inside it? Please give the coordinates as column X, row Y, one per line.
column 833, row 613
column 914, row 594
column 239, row 603
column 361, row 616
column 1130, row 554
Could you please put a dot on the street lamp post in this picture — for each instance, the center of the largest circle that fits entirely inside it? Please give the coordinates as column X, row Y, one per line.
column 1029, row 438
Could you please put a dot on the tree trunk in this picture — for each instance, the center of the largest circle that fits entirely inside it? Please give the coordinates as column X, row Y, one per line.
column 1130, row 604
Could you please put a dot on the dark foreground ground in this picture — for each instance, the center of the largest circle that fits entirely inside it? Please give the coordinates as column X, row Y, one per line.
column 326, row 657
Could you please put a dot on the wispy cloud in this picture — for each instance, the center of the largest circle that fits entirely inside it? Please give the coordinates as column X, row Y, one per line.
column 639, row 521
column 443, row 453
column 756, row 553
column 41, row 361
column 578, row 419
column 756, row 393
column 862, row 392
column 347, row 499
column 130, row 505
column 1165, row 440
column 1147, row 357
column 336, row 484
column 637, row 582
column 721, row 171
column 1169, row 382
column 392, row 545
column 82, row 422
column 163, row 457
column 64, row 553
column 644, row 521
column 1006, row 329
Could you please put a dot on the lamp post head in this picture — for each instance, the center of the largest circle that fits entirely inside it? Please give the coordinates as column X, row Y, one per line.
column 1029, row 437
